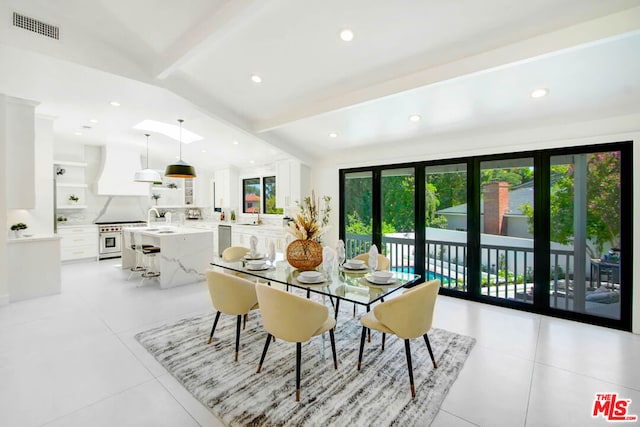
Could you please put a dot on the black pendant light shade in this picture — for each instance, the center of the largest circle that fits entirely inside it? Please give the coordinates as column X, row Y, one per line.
column 180, row 169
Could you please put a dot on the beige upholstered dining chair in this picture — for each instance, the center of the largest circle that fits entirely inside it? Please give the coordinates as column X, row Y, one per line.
column 234, row 253
column 408, row 316
column 383, row 261
column 231, row 295
column 294, row 319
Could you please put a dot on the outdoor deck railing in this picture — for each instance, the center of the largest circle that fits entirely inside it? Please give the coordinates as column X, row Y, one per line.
column 507, row 271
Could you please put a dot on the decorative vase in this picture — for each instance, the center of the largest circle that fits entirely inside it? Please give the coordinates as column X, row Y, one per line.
column 304, row 254
column 18, row 233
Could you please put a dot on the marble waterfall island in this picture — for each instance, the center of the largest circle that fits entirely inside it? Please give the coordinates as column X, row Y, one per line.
column 185, row 253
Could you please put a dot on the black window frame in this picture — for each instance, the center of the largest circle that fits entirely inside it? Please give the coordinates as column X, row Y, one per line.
column 541, row 160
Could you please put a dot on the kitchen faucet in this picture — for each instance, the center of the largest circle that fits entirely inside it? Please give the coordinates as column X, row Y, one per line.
column 149, row 215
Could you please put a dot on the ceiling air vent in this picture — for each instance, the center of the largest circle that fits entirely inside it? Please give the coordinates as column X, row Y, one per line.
column 36, row 26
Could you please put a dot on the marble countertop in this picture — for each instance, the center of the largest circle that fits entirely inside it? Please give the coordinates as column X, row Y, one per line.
column 166, row 230
column 34, row 238
column 215, row 224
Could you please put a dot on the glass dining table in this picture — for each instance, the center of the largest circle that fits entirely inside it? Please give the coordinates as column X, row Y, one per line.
column 342, row 284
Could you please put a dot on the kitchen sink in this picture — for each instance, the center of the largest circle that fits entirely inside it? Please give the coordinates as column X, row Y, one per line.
column 249, row 223
column 166, row 232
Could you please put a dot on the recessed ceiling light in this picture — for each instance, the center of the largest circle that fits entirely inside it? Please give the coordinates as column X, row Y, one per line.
column 235, row 142
column 204, row 151
column 346, row 35
column 114, row 103
column 252, row 161
column 170, row 130
column 539, row 93
column 333, row 135
column 256, row 78
column 415, row 118
column 93, row 121
column 78, row 133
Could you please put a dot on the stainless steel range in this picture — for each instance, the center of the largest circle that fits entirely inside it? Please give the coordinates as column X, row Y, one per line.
column 111, row 237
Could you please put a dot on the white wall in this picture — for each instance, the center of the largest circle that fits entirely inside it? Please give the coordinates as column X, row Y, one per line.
column 325, row 178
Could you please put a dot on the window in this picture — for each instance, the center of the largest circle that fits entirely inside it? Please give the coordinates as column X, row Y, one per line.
column 269, row 190
column 545, row 231
column 251, row 195
column 252, row 191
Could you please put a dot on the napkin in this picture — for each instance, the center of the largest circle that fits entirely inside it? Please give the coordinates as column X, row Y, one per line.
column 328, row 260
column 340, row 252
column 373, row 257
column 253, row 246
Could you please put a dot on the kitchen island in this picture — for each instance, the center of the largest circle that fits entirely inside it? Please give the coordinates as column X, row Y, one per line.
column 185, row 253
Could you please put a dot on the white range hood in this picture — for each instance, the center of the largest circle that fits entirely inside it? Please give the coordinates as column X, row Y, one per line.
column 119, row 164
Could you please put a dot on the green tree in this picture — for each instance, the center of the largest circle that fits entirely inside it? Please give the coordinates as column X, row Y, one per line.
column 603, row 202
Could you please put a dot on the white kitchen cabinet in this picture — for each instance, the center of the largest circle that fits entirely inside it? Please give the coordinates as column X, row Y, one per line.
column 241, row 236
column 226, row 189
column 70, row 180
column 33, row 267
column 292, row 182
column 18, row 137
column 78, row 242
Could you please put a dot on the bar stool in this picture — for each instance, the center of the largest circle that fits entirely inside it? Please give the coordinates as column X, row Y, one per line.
column 136, row 245
column 149, row 256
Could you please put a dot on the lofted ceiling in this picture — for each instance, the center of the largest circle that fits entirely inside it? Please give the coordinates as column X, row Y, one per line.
column 461, row 65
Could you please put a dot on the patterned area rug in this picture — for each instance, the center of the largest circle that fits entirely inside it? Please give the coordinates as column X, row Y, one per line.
column 377, row 395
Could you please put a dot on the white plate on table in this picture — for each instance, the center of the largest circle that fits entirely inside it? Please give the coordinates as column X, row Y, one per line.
column 351, row 268
column 262, row 267
column 311, row 281
column 379, row 281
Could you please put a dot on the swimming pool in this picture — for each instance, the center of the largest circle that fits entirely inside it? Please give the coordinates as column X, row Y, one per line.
column 430, row 275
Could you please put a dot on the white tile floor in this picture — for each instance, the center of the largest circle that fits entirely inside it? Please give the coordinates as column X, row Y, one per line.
column 71, row 360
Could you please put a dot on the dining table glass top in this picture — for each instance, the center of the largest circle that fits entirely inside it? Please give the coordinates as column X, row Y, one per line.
column 355, row 286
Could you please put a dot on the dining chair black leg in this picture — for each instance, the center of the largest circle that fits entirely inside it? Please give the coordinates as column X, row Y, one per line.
column 337, row 310
column 407, row 349
column 244, row 321
column 298, row 363
column 383, row 337
column 238, row 335
column 362, row 337
column 264, row 352
column 333, row 348
column 215, row 323
column 433, row 359
column 354, row 310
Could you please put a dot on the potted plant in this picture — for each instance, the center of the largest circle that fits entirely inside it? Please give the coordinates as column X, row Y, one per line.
column 309, row 225
column 172, row 185
column 233, row 216
column 73, row 198
column 155, row 197
column 17, row 228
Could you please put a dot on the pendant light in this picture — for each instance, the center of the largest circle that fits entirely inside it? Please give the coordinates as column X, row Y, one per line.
column 147, row 175
column 180, row 169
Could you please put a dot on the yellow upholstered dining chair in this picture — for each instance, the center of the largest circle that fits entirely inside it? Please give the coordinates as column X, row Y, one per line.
column 231, row 295
column 408, row 316
column 234, row 253
column 383, row 261
column 294, row 319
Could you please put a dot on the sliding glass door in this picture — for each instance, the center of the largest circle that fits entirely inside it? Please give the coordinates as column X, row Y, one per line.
column 398, row 188
column 585, row 233
column 546, row 231
column 506, row 240
column 357, row 215
column 446, row 206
